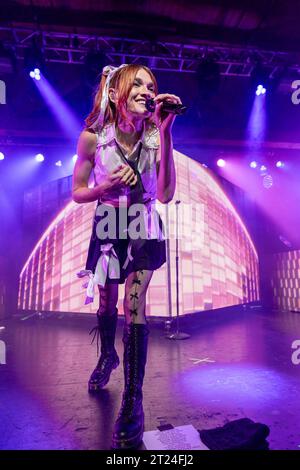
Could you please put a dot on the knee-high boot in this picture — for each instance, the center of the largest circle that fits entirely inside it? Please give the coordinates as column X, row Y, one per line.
column 129, row 427
column 109, row 360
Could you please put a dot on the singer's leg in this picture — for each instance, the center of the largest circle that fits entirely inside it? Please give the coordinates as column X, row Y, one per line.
column 107, row 318
column 135, row 296
column 129, row 426
column 108, row 298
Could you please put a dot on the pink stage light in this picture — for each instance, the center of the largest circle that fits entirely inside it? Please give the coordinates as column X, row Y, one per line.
column 221, row 163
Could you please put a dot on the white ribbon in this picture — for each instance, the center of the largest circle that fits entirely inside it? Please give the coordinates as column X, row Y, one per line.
column 129, row 255
column 88, row 285
column 109, row 71
column 108, row 263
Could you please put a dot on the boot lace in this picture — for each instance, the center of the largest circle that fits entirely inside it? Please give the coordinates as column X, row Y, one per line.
column 96, row 332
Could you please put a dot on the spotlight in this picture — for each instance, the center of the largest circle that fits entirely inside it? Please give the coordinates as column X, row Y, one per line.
column 263, row 168
column 253, row 164
column 36, row 74
column 39, row 157
column 58, row 163
column 221, row 163
column 2, row 156
column 260, row 90
column 74, row 158
column 279, row 164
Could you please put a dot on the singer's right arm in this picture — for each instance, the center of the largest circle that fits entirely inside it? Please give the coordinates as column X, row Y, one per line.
column 86, row 149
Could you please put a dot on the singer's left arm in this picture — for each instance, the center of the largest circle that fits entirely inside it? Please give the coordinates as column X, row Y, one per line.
column 166, row 175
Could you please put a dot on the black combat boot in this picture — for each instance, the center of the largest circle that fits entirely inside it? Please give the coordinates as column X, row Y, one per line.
column 129, row 427
column 106, row 329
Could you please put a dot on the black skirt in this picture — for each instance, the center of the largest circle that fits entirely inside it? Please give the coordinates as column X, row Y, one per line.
column 148, row 254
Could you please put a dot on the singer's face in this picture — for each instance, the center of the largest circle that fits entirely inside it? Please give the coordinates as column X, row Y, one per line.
column 142, row 88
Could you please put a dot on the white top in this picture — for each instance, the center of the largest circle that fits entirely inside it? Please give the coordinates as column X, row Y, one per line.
column 108, row 157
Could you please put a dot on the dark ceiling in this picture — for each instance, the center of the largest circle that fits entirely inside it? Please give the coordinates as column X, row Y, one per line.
column 270, row 24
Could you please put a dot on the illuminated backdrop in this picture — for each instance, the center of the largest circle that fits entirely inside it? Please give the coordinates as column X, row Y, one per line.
column 285, row 280
column 218, row 263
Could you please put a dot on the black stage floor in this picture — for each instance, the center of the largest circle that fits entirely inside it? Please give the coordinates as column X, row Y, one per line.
column 237, row 363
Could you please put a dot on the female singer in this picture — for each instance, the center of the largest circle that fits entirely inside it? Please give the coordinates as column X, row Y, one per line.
column 130, row 152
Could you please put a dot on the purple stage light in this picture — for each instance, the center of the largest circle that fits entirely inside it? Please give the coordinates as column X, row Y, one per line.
column 36, row 74
column 221, row 163
column 263, row 168
column 74, row 158
column 256, row 127
column 2, row 156
column 58, row 163
column 260, row 90
column 253, row 164
column 279, row 164
column 65, row 117
column 39, row 157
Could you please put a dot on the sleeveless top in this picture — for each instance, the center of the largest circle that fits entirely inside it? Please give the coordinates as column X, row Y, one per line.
column 108, row 157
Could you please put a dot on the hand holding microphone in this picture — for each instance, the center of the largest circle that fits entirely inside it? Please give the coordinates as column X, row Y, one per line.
column 165, row 108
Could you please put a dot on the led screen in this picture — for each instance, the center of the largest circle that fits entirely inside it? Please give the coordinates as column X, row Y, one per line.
column 218, row 262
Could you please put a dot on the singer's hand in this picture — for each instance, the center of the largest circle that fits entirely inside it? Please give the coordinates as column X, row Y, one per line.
column 163, row 120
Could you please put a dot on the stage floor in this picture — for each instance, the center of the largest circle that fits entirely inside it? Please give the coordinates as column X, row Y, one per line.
column 237, row 363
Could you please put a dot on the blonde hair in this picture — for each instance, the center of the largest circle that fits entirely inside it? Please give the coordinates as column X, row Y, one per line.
column 122, row 82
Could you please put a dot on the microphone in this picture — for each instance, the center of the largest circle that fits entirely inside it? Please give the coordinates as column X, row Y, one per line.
column 172, row 108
